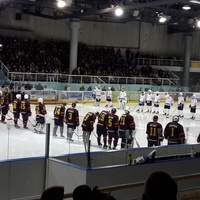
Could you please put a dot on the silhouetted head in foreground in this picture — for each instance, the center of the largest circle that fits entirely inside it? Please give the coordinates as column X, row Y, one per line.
column 53, row 193
column 82, row 192
column 160, row 186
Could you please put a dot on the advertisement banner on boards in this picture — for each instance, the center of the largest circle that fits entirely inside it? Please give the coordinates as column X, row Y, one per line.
column 48, row 95
column 72, row 95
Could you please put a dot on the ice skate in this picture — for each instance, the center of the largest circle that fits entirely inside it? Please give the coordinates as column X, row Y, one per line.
column 17, row 126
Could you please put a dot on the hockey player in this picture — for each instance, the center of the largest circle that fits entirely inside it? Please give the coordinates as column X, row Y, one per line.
column 174, row 132
column 72, row 121
column 101, row 128
column 192, row 106
column 25, row 110
column 88, row 127
column 94, row 95
column 122, row 99
column 126, row 129
column 198, row 138
column 4, row 106
column 156, row 103
column 40, row 111
column 150, row 158
column 16, row 109
column 109, row 97
column 149, row 99
column 98, row 96
column 112, row 128
column 141, row 102
column 180, row 104
column 59, row 115
column 154, row 132
column 168, row 103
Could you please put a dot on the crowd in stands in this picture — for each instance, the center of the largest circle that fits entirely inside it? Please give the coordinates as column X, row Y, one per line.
column 52, row 57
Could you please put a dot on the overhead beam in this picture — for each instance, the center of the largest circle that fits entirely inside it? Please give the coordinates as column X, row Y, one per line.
column 132, row 6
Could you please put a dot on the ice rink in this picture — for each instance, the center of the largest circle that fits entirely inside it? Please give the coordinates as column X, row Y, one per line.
column 22, row 143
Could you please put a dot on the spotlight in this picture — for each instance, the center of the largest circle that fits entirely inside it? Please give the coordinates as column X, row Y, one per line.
column 186, row 7
column 198, row 23
column 61, row 3
column 118, row 12
column 162, row 19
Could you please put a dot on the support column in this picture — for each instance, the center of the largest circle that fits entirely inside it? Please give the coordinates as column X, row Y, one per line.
column 74, row 26
column 187, row 61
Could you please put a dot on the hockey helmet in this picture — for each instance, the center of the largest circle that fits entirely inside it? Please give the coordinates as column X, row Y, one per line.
column 0, row 92
column 99, row 87
column 109, row 88
column 18, row 96
column 157, row 92
column 26, row 96
column 155, row 118
column 74, row 105
column 113, row 110
column 97, row 114
column 149, row 91
column 143, row 92
column 64, row 103
column 127, row 109
column 175, row 118
column 193, row 96
column 180, row 94
column 40, row 100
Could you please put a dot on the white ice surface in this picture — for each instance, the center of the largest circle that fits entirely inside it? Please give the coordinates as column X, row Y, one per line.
column 22, row 143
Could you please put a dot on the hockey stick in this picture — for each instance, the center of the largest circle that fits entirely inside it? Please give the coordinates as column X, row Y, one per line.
column 13, row 113
column 173, row 112
column 87, row 100
column 134, row 107
column 145, row 112
column 137, row 142
column 9, row 118
column 94, row 134
column 33, row 125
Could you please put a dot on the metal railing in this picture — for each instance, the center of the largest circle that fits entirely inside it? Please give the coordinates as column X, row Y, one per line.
column 160, row 62
column 84, row 79
column 66, row 78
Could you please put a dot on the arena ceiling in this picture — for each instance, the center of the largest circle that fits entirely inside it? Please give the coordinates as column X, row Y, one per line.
column 178, row 19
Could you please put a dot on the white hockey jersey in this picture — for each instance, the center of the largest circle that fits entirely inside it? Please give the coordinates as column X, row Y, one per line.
column 98, row 93
column 149, row 97
column 169, row 100
column 142, row 98
column 157, row 99
column 109, row 94
column 122, row 95
column 193, row 102
column 180, row 100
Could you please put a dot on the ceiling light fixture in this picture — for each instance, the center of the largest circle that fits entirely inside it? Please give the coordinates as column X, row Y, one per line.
column 195, row 1
column 198, row 23
column 162, row 19
column 61, row 3
column 186, row 7
column 118, row 12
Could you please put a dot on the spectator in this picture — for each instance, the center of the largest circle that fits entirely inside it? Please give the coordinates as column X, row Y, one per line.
column 53, row 193
column 155, row 187
column 82, row 192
